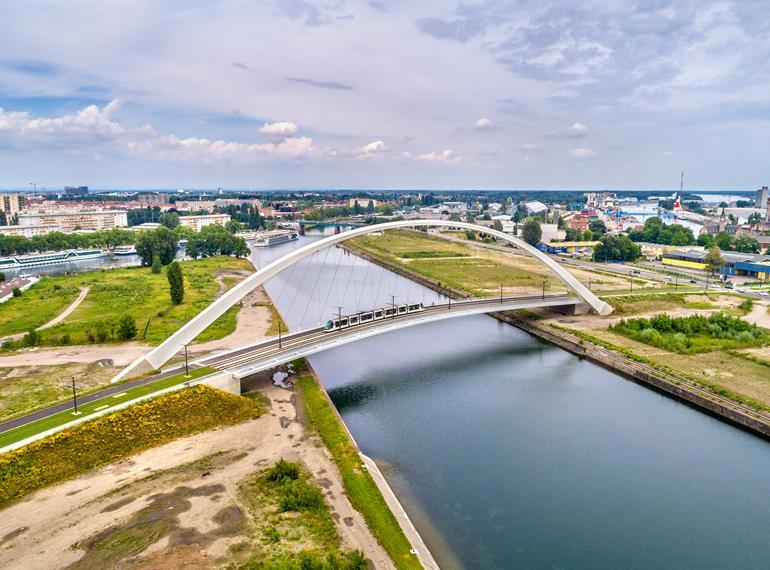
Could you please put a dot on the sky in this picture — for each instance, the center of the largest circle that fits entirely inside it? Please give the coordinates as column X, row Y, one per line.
column 385, row 94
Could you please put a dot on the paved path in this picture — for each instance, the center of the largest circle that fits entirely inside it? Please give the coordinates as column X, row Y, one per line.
column 56, row 320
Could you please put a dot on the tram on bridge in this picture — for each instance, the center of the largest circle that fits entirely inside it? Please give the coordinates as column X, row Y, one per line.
column 345, row 321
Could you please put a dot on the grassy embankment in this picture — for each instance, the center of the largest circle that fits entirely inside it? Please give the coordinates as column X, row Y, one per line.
column 722, row 366
column 743, row 374
column 361, row 489
column 67, row 416
column 134, row 291
column 281, row 522
column 105, row 439
column 475, row 270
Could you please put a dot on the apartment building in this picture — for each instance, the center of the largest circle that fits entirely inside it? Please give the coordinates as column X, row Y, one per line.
column 26, row 231
column 11, row 204
column 197, row 223
column 70, row 221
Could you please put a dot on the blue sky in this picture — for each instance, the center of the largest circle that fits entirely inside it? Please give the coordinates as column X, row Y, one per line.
column 385, row 94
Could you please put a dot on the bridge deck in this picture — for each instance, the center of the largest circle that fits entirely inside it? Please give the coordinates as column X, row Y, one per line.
column 267, row 354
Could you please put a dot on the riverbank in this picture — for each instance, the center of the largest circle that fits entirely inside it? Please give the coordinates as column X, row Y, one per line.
column 627, row 364
column 366, row 487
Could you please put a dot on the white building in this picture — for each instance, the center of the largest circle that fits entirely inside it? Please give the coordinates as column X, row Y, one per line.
column 70, row 221
column 535, row 208
column 197, row 223
column 26, row 231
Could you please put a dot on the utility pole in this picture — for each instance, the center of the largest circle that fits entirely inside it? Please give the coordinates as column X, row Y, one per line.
column 589, row 283
column 676, row 282
column 279, row 333
column 74, row 396
column 631, row 280
column 544, row 280
column 339, row 317
column 186, row 364
column 393, row 304
column 501, row 293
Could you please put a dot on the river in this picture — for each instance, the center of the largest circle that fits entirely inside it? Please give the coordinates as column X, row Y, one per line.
column 511, row 453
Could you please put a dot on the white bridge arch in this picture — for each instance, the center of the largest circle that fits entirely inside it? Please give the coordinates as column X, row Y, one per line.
column 159, row 355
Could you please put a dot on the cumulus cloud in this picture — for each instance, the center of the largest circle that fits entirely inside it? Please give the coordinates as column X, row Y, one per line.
column 373, row 147
column 578, row 129
column 282, row 128
column 446, row 156
column 530, row 147
column 94, row 128
column 582, row 152
column 484, row 124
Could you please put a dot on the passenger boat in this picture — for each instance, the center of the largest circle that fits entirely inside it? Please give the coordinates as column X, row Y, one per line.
column 49, row 258
column 125, row 250
column 274, row 237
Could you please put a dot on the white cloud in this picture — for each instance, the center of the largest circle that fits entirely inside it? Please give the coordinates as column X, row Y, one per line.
column 578, row 129
column 530, row 147
column 484, row 124
column 582, row 152
column 373, row 147
column 282, row 128
column 446, row 156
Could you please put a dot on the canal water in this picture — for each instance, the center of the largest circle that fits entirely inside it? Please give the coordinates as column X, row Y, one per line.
column 511, row 453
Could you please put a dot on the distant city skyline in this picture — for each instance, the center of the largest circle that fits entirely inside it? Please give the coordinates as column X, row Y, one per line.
column 385, row 95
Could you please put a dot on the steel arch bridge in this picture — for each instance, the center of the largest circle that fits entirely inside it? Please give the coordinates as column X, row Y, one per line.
column 159, row 355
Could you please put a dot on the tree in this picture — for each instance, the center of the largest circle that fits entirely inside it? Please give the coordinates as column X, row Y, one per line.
column 471, row 235
column 597, row 228
column 724, row 240
column 2, row 276
column 531, row 232
column 370, row 207
column 616, row 248
column 497, row 225
column 455, row 218
column 169, row 219
column 156, row 265
column 746, row 244
column 16, row 292
column 755, row 218
column 161, row 242
column 175, row 282
column 3, row 219
column 713, row 259
column 572, row 234
column 126, row 327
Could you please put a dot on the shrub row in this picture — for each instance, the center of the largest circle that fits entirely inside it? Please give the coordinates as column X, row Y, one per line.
column 70, row 452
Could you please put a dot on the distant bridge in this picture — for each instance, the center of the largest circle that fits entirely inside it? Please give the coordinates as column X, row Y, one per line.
column 159, row 355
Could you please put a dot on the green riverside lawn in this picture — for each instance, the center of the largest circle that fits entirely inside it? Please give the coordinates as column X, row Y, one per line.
column 67, row 416
column 362, row 491
column 135, row 291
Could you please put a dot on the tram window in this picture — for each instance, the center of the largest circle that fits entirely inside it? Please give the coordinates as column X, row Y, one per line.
column 353, row 320
column 344, row 322
column 377, row 314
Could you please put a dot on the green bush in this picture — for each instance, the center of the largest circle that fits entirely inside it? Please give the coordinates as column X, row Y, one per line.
column 16, row 292
column 283, row 471
column 299, row 495
column 695, row 333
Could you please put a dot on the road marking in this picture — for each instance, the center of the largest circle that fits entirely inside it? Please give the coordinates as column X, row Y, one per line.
column 119, row 395
column 101, row 407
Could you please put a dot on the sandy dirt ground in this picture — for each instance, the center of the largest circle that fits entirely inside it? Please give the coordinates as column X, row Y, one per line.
column 48, row 528
column 759, row 315
column 592, row 321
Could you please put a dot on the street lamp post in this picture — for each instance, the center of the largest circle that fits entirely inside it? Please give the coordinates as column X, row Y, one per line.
column 279, row 333
column 74, row 396
column 186, row 364
column 501, row 293
column 544, row 280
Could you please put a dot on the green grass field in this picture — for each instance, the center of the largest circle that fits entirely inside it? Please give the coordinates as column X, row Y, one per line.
column 460, row 266
column 71, row 452
column 134, row 291
column 362, row 491
column 65, row 417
